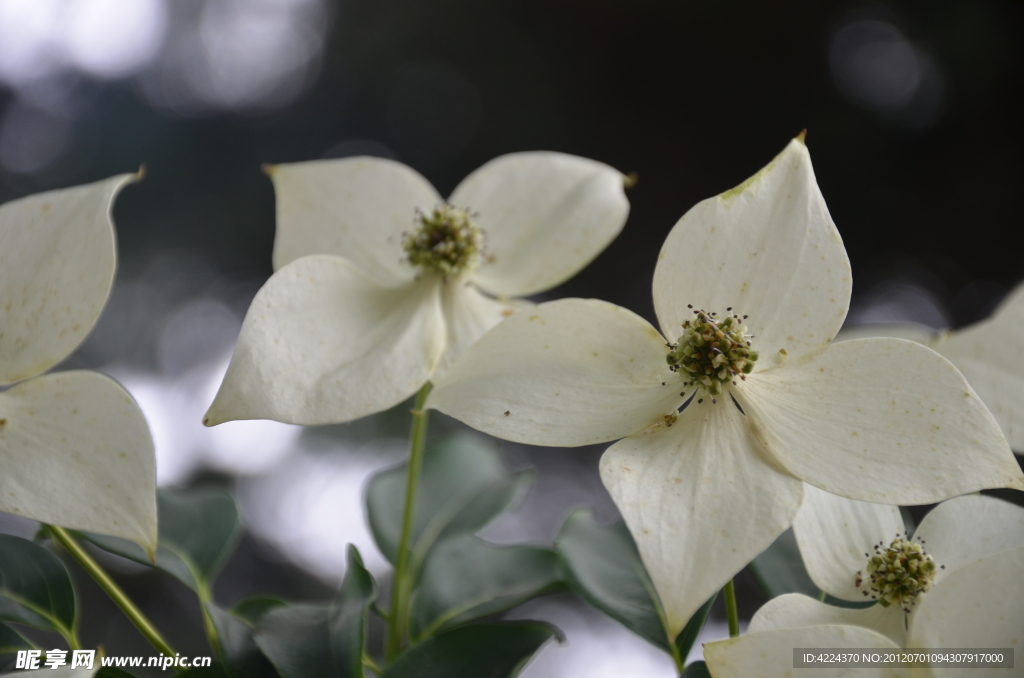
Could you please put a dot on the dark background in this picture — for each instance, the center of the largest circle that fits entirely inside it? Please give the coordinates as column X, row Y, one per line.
column 911, row 109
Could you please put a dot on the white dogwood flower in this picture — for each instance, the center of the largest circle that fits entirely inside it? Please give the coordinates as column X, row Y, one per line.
column 969, row 596
column 75, row 449
column 380, row 282
column 750, row 288
column 988, row 353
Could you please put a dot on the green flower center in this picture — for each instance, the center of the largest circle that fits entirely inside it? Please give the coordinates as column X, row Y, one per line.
column 447, row 242
column 897, row 575
column 711, row 352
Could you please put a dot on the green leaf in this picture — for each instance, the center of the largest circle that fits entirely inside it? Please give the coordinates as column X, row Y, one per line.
column 463, row 486
column 35, row 587
column 317, row 641
column 495, row 650
column 464, row 578
column 11, row 640
column 296, row 640
column 602, row 566
column 199, row 530
column 691, row 632
column 238, row 650
column 215, row 671
column 252, row 609
column 112, row 672
column 349, row 617
column 780, row 569
column 697, row 670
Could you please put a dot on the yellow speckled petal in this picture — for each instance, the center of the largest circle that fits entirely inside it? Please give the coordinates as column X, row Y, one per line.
column 57, row 262
column 356, row 208
column 75, row 451
column 989, row 355
column 835, row 533
column 700, row 501
column 323, row 344
column 882, row 420
column 767, row 249
column 769, row 654
column 544, row 215
column 569, row 372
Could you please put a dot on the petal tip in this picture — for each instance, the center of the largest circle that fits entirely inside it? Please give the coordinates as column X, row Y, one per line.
column 268, row 169
column 802, row 137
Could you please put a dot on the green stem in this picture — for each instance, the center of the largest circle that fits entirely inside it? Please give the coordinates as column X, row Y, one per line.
column 399, row 613
column 145, row 627
column 730, row 609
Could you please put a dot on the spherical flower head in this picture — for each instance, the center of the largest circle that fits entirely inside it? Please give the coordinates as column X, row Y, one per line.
column 898, row 574
column 447, row 242
column 712, row 352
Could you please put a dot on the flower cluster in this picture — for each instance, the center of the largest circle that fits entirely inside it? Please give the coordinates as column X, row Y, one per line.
column 726, row 429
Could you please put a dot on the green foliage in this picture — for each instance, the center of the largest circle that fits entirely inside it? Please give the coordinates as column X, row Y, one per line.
column 697, row 670
column 465, row 578
column 321, row 641
column 602, row 566
column 463, row 487
column 199, row 530
column 780, row 569
column 35, row 588
column 236, row 648
column 494, row 650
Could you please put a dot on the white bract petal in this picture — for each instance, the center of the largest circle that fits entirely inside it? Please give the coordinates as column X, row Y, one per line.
column 356, row 208
column 767, row 249
column 468, row 315
column 919, row 333
column 569, row 372
column 75, row 451
column 989, row 354
column 979, row 605
column 700, row 501
column 321, row 344
column 836, row 535
column 770, row 654
column 793, row 610
column 544, row 215
column 56, row 267
column 882, row 420
column 960, row 531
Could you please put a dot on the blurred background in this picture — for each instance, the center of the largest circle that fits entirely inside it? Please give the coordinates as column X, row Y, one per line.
column 911, row 122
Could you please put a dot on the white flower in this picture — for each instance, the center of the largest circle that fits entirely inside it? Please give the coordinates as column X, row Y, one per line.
column 974, row 598
column 380, row 283
column 706, row 489
column 75, row 450
column 988, row 353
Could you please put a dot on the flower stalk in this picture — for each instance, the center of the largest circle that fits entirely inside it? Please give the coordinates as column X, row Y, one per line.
column 145, row 627
column 731, row 612
column 398, row 616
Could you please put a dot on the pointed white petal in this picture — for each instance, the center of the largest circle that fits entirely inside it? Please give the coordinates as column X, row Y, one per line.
column 793, row 610
column 770, row 654
column 570, row 372
column 962, row 530
column 544, row 215
column 468, row 314
column 989, row 355
column 700, row 502
column 323, row 344
column 919, row 333
column 980, row 605
column 56, row 268
column 356, row 208
column 882, row 420
column 767, row 249
column 835, row 535
column 76, row 452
